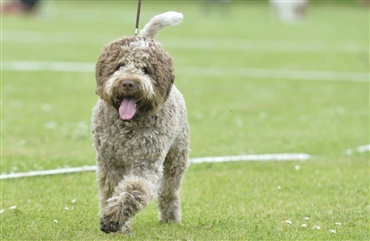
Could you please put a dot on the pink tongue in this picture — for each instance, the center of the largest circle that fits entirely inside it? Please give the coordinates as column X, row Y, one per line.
column 127, row 109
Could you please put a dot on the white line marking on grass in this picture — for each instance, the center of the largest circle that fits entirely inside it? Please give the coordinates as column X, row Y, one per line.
column 360, row 149
column 27, row 36
column 197, row 71
column 48, row 66
column 48, row 172
column 276, row 74
column 243, row 45
column 259, row 157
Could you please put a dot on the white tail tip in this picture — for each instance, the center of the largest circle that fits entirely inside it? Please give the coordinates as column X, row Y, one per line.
column 160, row 21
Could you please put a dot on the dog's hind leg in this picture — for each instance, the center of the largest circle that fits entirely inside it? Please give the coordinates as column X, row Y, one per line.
column 169, row 192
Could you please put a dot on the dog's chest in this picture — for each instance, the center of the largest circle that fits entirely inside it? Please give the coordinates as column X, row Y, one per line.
column 123, row 142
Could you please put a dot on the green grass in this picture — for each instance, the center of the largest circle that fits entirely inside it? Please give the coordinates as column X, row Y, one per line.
column 46, row 116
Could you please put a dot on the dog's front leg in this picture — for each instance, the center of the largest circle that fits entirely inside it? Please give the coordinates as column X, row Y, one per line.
column 130, row 196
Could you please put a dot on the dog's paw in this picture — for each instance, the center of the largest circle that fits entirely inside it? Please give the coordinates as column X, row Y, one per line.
column 109, row 225
column 170, row 215
column 113, row 217
column 126, row 229
column 170, row 220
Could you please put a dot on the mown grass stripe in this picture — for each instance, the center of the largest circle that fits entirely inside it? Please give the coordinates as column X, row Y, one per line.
column 227, row 44
column 197, row 71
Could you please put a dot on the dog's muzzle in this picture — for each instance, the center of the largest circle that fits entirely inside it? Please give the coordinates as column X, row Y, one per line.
column 127, row 108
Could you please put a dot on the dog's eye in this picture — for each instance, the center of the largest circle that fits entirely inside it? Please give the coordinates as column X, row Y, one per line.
column 145, row 70
column 119, row 66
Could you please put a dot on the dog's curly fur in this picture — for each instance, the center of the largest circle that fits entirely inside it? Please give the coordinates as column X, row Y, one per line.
column 142, row 150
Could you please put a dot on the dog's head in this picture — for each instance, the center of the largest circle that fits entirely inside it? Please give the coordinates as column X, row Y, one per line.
column 134, row 74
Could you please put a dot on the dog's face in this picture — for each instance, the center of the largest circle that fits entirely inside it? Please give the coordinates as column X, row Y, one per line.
column 134, row 75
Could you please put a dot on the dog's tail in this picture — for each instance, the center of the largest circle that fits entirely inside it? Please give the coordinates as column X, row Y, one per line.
column 160, row 21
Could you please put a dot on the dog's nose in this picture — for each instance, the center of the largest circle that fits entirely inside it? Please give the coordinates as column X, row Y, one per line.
column 128, row 85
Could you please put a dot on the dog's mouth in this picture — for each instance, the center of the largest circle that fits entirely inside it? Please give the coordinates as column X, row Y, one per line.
column 127, row 108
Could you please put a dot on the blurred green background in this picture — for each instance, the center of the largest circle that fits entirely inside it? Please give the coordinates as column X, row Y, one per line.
column 252, row 84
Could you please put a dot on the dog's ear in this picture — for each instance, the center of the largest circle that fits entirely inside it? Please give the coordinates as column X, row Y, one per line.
column 107, row 62
column 99, row 72
column 165, row 74
column 171, row 80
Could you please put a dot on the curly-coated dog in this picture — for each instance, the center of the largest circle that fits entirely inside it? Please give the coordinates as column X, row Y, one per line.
column 140, row 129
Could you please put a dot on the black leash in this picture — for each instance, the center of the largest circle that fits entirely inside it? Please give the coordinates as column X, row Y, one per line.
column 137, row 16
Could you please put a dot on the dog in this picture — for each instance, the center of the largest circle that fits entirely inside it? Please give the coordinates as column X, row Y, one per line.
column 139, row 129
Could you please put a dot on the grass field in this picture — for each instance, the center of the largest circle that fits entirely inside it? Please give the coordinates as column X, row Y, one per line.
column 252, row 86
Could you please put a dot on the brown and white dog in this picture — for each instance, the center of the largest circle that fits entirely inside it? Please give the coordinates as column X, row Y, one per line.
column 140, row 129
